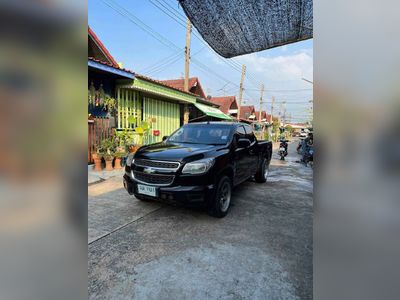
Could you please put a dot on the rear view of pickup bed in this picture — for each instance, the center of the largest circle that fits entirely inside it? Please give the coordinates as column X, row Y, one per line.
column 199, row 163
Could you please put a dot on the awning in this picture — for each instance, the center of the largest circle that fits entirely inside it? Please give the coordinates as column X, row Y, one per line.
column 212, row 111
column 238, row 27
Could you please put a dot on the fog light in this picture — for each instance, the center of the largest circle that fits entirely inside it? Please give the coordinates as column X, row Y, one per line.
column 170, row 197
column 163, row 196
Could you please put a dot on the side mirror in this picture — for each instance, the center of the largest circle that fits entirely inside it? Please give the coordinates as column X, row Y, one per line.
column 243, row 143
column 164, row 137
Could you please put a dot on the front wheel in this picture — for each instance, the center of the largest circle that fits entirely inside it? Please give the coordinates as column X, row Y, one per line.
column 221, row 201
column 262, row 173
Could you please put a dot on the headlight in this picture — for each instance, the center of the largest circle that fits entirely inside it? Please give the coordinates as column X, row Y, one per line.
column 130, row 160
column 198, row 167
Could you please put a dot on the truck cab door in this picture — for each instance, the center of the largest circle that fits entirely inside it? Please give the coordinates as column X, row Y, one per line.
column 240, row 156
column 252, row 153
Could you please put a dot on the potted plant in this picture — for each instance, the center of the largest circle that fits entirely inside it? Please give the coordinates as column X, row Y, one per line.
column 108, row 152
column 97, row 159
column 109, row 103
column 119, row 154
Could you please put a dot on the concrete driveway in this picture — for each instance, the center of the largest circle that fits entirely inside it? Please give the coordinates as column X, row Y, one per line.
column 261, row 250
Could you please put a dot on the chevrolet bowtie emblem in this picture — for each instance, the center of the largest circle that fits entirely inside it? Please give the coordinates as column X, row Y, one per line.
column 149, row 171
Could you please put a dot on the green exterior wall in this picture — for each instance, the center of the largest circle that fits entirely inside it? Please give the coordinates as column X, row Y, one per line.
column 166, row 115
column 143, row 106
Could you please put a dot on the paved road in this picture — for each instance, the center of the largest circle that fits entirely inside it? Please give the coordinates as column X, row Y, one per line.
column 261, row 250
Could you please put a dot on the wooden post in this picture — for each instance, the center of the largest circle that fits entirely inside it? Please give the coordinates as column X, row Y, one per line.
column 241, row 90
column 187, row 61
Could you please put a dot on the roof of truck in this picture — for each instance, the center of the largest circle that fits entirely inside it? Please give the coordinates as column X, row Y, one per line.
column 221, row 122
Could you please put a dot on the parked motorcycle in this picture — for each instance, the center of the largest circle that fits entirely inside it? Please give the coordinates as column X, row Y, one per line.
column 283, row 146
column 300, row 146
column 308, row 157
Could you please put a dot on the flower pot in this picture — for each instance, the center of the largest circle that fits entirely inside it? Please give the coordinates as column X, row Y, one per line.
column 97, row 162
column 109, row 161
column 117, row 163
column 133, row 148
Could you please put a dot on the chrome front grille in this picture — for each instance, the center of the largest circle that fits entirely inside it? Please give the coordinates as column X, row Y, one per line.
column 173, row 165
column 156, row 179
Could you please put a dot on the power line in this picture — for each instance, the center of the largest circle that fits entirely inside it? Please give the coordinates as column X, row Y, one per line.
column 122, row 11
column 162, row 68
column 274, row 90
column 233, row 64
column 161, row 61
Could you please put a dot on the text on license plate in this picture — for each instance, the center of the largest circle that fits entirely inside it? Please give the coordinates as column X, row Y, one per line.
column 146, row 190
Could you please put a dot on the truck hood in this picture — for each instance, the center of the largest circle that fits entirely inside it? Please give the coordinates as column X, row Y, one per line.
column 175, row 151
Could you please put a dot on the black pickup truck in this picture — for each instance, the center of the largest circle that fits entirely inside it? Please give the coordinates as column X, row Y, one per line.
column 198, row 163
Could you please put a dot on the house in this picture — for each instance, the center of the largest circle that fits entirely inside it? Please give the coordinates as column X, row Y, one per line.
column 97, row 50
column 138, row 99
column 227, row 104
column 263, row 116
column 103, row 74
column 247, row 112
column 297, row 127
column 203, row 110
column 194, row 85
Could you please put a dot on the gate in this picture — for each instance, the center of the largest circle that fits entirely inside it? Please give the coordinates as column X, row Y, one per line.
column 98, row 130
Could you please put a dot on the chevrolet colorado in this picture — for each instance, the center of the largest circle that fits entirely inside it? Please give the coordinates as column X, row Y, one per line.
column 198, row 163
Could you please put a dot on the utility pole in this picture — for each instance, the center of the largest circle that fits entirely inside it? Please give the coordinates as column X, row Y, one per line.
column 272, row 117
column 272, row 108
column 284, row 113
column 187, row 61
column 241, row 90
column 261, row 101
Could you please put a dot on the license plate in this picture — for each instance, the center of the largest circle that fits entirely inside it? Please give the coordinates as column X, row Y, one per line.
column 282, row 149
column 147, row 190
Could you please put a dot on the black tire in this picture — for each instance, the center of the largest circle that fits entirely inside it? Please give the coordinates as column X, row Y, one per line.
column 217, row 206
column 262, row 173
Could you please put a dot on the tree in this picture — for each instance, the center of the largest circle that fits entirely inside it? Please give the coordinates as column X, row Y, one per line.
column 275, row 128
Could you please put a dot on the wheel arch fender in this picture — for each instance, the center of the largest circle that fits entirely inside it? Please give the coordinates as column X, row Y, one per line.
column 227, row 171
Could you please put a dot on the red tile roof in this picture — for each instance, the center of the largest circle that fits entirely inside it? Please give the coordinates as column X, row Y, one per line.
column 194, row 85
column 263, row 115
column 247, row 109
column 110, row 65
column 102, row 47
column 162, row 82
column 225, row 103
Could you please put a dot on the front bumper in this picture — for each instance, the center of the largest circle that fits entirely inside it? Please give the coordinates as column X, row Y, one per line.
column 182, row 194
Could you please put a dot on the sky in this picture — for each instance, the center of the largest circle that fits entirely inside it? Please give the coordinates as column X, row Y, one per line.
column 148, row 37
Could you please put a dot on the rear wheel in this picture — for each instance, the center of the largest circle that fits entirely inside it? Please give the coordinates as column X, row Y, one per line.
column 221, row 201
column 262, row 173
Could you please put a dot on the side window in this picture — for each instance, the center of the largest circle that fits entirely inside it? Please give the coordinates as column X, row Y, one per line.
column 250, row 133
column 241, row 133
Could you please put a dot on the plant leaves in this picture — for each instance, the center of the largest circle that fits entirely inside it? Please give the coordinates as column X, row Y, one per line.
column 131, row 120
column 145, row 126
column 139, row 130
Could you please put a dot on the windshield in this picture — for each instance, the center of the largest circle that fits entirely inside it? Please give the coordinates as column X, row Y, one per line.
column 209, row 134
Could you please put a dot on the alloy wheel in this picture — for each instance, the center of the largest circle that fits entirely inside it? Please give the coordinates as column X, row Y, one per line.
column 225, row 196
